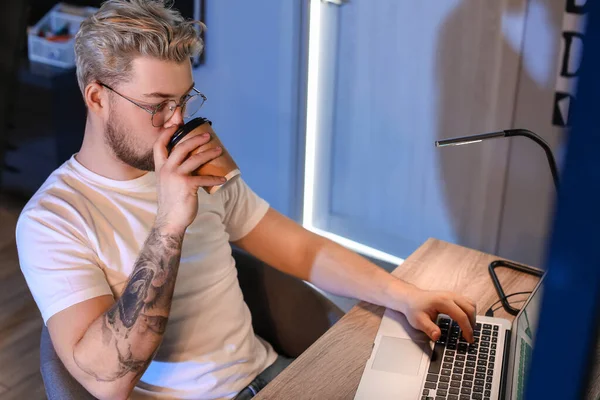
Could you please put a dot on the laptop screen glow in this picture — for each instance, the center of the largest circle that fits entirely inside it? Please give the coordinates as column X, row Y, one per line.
column 525, row 330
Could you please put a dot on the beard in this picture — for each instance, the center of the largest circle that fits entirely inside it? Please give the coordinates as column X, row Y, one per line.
column 122, row 142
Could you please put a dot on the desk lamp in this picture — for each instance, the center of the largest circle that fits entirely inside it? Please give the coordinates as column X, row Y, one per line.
column 553, row 169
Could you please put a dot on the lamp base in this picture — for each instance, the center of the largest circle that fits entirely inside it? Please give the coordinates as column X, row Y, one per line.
column 514, row 266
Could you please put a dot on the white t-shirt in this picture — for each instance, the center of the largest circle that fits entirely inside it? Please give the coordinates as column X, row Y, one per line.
column 78, row 238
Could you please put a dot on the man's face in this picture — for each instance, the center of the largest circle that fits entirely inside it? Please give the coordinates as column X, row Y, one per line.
column 129, row 131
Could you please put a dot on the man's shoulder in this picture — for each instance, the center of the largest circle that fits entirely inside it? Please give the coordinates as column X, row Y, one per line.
column 59, row 196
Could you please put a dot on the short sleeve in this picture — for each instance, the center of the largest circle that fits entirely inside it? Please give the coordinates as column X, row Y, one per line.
column 59, row 268
column 243, row 209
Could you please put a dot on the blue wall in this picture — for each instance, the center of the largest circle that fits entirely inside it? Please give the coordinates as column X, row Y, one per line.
column 251, row 79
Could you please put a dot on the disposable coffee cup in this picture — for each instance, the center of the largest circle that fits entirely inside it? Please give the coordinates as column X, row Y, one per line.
column 224, row 165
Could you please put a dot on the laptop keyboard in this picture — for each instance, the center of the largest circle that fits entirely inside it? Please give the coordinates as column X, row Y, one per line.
column 459, row 370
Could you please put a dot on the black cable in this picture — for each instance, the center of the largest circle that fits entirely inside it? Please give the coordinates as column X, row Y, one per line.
column 510, row 295
column 491, row 310
column 512, row 302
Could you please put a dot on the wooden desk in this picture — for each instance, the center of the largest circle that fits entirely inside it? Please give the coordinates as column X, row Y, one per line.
column 332, row 367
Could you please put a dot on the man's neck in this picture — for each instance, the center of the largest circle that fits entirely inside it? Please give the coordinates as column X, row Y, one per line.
column 96, row 156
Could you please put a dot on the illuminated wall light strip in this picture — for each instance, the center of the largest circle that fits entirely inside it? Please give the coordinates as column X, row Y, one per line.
column 314, row 49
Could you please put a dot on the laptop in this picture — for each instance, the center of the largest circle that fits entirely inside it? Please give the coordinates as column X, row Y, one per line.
column 406, row 365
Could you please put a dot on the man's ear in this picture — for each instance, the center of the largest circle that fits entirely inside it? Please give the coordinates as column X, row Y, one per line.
column 95, row 96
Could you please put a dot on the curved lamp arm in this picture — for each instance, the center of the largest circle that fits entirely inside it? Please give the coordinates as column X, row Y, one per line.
column 507, row 133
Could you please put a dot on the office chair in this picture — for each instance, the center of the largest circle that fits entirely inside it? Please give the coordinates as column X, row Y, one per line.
column 287, row 312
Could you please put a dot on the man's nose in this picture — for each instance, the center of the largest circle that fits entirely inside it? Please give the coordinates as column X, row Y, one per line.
column 176, row 119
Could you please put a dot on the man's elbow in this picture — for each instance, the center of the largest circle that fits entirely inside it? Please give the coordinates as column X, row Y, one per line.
column 109, row 391
column 113, row 389
column 102, row 378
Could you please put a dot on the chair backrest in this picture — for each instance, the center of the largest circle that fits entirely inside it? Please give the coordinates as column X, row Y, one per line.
column 58, row 382
column 287, row 312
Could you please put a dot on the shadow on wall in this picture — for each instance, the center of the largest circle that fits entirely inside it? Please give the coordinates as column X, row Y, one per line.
column 470, row 110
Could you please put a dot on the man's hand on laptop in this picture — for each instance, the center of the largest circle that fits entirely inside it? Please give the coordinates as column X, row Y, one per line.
column 421, row 308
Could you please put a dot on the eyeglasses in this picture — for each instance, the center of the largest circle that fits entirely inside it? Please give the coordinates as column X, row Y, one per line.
column 163, row 112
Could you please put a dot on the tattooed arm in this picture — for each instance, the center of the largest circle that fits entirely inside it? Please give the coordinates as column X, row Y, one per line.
column 110, row 352
column 120, row 344
column 107, row 345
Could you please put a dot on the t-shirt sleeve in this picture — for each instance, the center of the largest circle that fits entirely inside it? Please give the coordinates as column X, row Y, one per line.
column 243, row 209
column 59, row 268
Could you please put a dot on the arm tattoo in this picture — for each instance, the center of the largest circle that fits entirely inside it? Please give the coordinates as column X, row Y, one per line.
column 132, row 329
column 132, row 299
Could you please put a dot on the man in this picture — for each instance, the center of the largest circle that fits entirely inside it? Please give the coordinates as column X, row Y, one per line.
column 121, row 239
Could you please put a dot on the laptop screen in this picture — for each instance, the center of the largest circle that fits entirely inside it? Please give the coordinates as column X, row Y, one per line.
column 524, row 328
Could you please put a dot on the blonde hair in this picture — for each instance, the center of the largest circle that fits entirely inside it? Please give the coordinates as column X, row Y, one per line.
column 122, row 30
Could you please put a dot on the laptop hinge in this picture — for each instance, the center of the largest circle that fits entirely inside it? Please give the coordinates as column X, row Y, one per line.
column 504, row 377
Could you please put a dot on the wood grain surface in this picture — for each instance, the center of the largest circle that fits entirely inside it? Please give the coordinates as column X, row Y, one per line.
column 332, row 367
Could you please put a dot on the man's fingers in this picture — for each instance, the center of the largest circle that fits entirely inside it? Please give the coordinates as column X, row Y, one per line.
column 183, row 149
column 468, row 307
column 160, row 150
column 426, row 325
column 457, row 314
column 207, row 180
column 195, row 161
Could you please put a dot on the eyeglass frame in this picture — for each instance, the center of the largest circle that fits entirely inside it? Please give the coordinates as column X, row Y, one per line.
column 153, row 110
